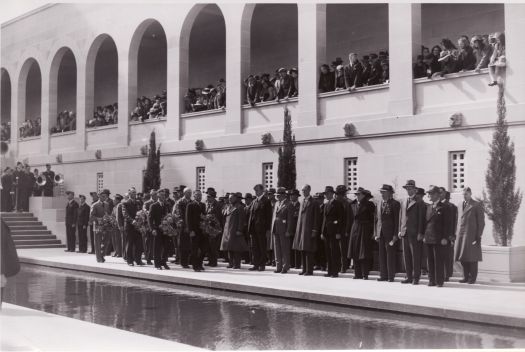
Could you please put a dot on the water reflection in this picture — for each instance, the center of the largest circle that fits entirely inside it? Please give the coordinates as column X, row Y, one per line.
column 225, row 321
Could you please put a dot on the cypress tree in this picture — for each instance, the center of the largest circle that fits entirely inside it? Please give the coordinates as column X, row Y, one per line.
column 502, row 201
column 152, row 174
column 286, row 172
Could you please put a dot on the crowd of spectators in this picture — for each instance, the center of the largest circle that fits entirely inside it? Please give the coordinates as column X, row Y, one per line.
column 102, row 116
column 209, row 98
column 66, row 121
column 30, row 128
column 150, row 108
column 262, row 88
column 5, row 131
column 471, row 54
column 371, row 70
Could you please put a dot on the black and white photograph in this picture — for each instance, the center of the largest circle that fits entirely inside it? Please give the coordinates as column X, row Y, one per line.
column 342, row 175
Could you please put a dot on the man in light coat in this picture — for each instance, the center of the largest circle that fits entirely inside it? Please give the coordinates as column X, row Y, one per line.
column 468, row 244
column 281, row 221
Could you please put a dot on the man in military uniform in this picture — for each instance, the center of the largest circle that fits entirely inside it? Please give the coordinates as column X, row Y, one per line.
column 50, row 181
column 332, row 228
column 82, row 223
column 98, row 210
column 71, row 221
column 386, row 231
column 436, row 237
column 281, row 231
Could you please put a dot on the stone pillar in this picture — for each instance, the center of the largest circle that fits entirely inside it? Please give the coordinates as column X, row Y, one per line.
column 48, row 108
column 127, row 94
column 174, row 91
column 15, row 119
column 515, row 52
column 81, row 105
column 404, row 36
column 312, row 52
column 234, row 66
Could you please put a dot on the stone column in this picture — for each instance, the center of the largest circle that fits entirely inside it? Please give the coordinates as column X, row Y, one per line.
column 127, row 94
column 234, row 66
column 312, row 52
column 48, row 108
column 404, row 36
column 174, row 91
column 81, row 105
column 515, row 52
column 15, row 119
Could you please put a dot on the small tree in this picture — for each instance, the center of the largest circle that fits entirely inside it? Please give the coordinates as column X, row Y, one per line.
column 152, row 174
column 502, row 202
column 286, row 172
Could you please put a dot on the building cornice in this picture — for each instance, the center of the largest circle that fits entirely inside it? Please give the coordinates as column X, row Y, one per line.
column 27, row 14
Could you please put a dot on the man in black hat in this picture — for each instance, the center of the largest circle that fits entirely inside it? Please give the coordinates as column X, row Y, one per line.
column 449, row 252
column 386, row 230
column 332, row 230
column 305, row 241
column 436, row 237
column 82, row 223
column 259, row 223
column 295, row 256
column 411, row 229
column 71, row 221
column 214, row 214
column 281, row 220
column 50, row 181
column 340, row 195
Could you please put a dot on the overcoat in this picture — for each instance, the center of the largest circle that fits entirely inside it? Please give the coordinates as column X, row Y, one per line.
column 471, row 222
column 307, row 224
column 361, row 236
column 233, row 234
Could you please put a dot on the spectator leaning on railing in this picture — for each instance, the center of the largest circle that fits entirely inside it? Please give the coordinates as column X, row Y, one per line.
column 104, row 116
column 209, row 98
column 66, row 121
column 149, row 108
column 30, row 128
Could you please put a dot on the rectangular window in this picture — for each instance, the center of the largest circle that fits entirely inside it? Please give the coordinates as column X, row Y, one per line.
column 201, row 179
column 457, row 171
column 267, row 175
column 351, row 174
column 100, row 182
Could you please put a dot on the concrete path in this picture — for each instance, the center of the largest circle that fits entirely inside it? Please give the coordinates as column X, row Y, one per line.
column 491, row 304
column 24, row 329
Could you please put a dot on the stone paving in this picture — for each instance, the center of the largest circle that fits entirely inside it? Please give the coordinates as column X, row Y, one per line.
column 482, row 303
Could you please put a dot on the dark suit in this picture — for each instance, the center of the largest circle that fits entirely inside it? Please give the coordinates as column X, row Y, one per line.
column 295, row 256
column 157, row 211
column 258, row 224
column 348, row 219
column 50, row 182
column 213, row 208
column 281, row 232
column 82, row 226
column 194, row 210
column 411, row 224
column 71, row 224
column 353, row 75
column 333, row 225
column 147, row 237
column 437, row 228
column 360, row 248
column 376, row 74
column 184, row 242
column 387, row 229
column 134, row 242
column 449, row 252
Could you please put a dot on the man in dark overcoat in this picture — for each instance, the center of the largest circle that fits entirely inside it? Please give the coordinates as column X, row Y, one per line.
column 449, row 252
column 184, row 241
column 147, row 237
column 468, row 242
column 198, row 240
column 295, row 256
column 50, row 181
column 386, row 230
column 306, row 234
column 340, row 195
column 259, row 223
column 213, row 210
column 332, row 230
column 233, row 241
column 130, row 208
column 436, row 239
column 82, row 223
column 71, row 221
column 360, row 249
column 157, row 211
column 411, row 229
column 353, row 73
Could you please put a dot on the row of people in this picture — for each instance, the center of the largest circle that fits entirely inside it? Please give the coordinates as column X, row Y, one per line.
column 371, row 70
column 102, row 116
column 209, row 98
column 20, row 183
column 66, row 121
column 326, row 229
column 471, row 54
column 5, row 131
column 30, row 128
column 261, row 88
column 150, row 108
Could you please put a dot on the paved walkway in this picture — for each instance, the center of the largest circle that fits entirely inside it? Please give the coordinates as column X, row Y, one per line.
column 24, row 329
column 501, row 305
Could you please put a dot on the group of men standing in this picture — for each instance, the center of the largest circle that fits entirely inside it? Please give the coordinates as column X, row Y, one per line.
column 326, row 230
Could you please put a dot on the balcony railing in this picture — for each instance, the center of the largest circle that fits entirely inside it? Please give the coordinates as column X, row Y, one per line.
column 203, row 123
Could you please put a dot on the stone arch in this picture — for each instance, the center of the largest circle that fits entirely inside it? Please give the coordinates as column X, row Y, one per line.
column 62, row 84
column 29, row 71
column 147, row 74
column 101, row 74
column 5, row 95
column 202, row 14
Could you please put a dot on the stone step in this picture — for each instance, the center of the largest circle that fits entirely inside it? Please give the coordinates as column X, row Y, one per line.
column 29, row 232
column 29, row 246
column 27, row 227
column 34, row 237
column 22, row 222
column 34, row 242
column 17, row 220
column 15, row 214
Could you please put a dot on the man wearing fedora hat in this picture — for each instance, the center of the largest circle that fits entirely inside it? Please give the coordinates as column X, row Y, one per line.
column 411, row 230
column 360, row 249
column 259, row 222
column 147, row 237
column 307, row 232
column 340, row 195
column 98, row 210
column 436, row 240
column 281, row 231
column 157, row 211
column 386, row 230
column 295, row 256
column 233, row 241
column 213, row 210
column 180, row 212
column 332, row 230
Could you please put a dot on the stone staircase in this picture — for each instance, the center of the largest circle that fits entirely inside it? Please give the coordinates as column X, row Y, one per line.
column 28, row 232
